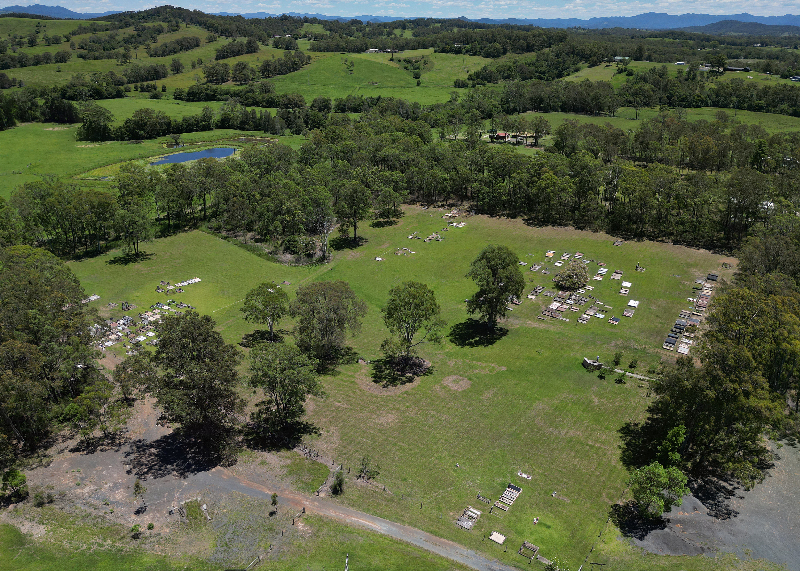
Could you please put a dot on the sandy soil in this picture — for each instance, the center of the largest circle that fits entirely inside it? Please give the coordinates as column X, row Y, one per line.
column 764, row 522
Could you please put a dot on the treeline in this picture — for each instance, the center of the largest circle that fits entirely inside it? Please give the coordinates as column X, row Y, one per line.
column 21, row 59
column 259, row 94
column 546, row 65
column 147, row 123
column 716, row 417
column 137, row 73
column 579, row 183
column 49, row 375
column 174, row 47
column 652, row 88
column 261, row 29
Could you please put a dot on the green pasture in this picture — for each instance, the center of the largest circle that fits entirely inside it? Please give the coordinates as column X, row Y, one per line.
column 26, row 26
column 625, row 119
column 309, row 28
column 34, row 150
column 124, row 108
column 373, row 75
column 523, row 403
column 19, row 552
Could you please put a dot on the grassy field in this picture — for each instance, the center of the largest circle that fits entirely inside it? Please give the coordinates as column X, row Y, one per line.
column 521, row 404
column 33, row 150
column 373, row 75
column 124, row 108
column 26, row 26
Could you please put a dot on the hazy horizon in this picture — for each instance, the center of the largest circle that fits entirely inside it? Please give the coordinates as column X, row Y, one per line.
column 497, row 9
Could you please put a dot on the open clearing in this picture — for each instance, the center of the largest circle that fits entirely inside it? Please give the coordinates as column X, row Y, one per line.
column 521, row 404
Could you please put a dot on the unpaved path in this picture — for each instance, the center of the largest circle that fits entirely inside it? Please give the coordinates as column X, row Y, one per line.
column 222, row 478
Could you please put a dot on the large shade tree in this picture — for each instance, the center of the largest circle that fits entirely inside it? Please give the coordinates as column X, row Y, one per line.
column 196, row 387
column 266, row 303
column 655, row 488
column 326, row 312
column 287, row 377
column 499, row 278
column 413, row 316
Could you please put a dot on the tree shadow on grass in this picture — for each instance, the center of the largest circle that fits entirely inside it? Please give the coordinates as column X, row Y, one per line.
column 639, row 444
column 130, row 258
column 346, row 243
column 286, row 437
column 170, row 454
column 474, row 333
column 631, row 523
column 383, row 223
column 250, row 340
column 387, row 373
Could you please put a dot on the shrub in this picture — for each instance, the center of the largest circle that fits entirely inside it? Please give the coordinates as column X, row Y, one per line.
column 617, row 358
column 150, row 525
column 573, row 277
column 337, row 488
column 633, row 364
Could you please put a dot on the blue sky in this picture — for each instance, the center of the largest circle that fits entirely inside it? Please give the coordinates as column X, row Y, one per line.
column 449, row 8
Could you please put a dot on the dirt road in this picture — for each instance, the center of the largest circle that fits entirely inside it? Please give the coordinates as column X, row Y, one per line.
column 222, row 478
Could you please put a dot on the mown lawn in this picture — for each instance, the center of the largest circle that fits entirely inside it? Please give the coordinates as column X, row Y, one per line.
column 522, row 403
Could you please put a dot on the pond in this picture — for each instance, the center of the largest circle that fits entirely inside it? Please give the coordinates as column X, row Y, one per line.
column 215, row 153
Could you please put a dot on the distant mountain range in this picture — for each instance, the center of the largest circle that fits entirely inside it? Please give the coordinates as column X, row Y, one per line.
column 53, row 12
column 747, row 23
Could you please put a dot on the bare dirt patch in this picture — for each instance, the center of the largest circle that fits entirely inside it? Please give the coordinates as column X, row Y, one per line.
column 456, row 383
column 759, row 523
column 27, row 527
column 56, row 128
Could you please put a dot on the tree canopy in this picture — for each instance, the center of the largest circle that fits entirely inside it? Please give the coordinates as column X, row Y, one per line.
column 573, row 277
column 411, row 309
column 196, row 387
column 656, row 488
column 326, row 312
column 287, row 377
column 499, row 278
column 266, row 303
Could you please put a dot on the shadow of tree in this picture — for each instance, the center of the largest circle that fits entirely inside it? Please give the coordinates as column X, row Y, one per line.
column 716, row 496
column 387, row 373
column 258, row 336
column 639, row 444
column 631, row 523
column 474, row 333
column 92, row 444
column 262, row 436
column 126, row 259
column 170, row 454
column 346, row 243
column 383, row 223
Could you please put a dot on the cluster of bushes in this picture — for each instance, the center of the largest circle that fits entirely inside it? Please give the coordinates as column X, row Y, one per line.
column 21, row 59
column 174, row 47
column 237, row 48
column 138, row 73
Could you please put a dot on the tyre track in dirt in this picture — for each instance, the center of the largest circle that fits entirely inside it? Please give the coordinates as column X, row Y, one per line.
column 224, row 479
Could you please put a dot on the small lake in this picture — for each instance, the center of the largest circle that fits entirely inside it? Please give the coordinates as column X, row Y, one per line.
column 215, row 153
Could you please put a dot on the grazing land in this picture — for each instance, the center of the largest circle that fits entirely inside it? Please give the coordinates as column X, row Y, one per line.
column 487, row 410
column 507, row 413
